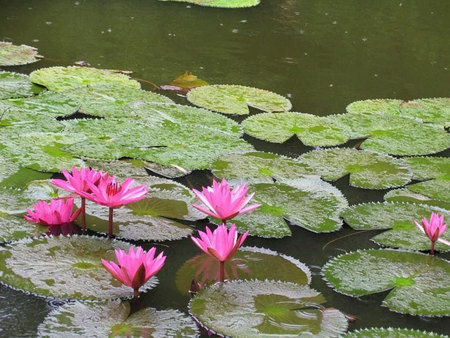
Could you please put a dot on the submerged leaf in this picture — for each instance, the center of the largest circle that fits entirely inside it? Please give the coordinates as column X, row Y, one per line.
column 263, row 308
column 185, row 82
column 13, row 55
column 232, row 99
column 419, row 283
column 14, row 85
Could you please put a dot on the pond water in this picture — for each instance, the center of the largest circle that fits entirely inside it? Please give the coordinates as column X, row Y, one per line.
column 321, row 54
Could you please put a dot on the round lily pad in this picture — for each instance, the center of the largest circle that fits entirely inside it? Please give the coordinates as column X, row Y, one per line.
column 380, row 332
column 221, row 3
column 247, row 263
column 429, row 167
column 398, row 218
column 13, row 55
column 367, row 169
column 114, row 319
column 16, row 227
column 310, row 129
column 123, row 168
column 64, row 78
column 377, row 105
column 258, row 166
column 307, row 202
column 233, row 99
column 109, row 100
column 265, row 308
column 418, row 282
column 405, row 195
column 64, row 267
column 434, row 110
column 438, row 189
column 14, row 85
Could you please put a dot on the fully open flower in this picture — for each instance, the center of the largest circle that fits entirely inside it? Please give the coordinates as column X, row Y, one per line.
column 223, row 203
column 135, row 267
column 433, row 228
column 57, row 212
column 220, row 243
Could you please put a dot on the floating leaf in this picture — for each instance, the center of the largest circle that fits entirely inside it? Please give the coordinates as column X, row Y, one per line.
column 258, row 166
column 63, row 78
column 247, row 263
column 13, row 228
column 14, row 85
column 222, row 3
column 405, row 195
column 398, row 217
column 435, row 110
column 173, row 171
column 419, row 283
column 115, row 319
column 64, row 267
column 377, row 105
column 7, row 168
column 231, row 99
column 185, row 82
column 123, row 168
column 310, row 129
column 377, row 332
column 109, row 100
column 307, row 202
column 367, row 169
column 438, row 189
column 429, row 167
column 13, row 55
column 266, row 308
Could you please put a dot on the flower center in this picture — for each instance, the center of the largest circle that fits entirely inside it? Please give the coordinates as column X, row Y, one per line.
column 112, row 188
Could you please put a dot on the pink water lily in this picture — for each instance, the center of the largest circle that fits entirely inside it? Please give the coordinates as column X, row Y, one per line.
column 78, row 183
column 220, row 244
column 434, row 228
column 57, row 212
column 222, row 203
column 107, row 191
column 135, row 267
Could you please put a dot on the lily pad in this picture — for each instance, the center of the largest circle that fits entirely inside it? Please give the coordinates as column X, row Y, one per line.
column 367, row 169
column 185, row 83
column 434, row 110
column 405, row 195
column 13, row 55
column 247, row 263
column 152, row 219
column 310, row 129
column 307, row 202
column 438, row 189
column 377, row 105
column 64, row 78
column 418, row 282
column 398, row 217
column 64, row 267
column 114, row 319
column 123, row 168
column 429, row 167
column 265, row 308
column 258, row 166
column 109, row 100
column 222, row 3
column 14, row 85
column 232, row 99
column 14, row 228
column 378, row 332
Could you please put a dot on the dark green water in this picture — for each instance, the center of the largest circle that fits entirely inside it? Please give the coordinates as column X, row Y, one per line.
column 321, row 54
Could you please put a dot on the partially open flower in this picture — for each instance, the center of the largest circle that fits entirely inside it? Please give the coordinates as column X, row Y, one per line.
column 78, row 181
column 57, row 212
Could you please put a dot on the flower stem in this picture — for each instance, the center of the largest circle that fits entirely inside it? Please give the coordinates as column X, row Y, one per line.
column 83, row 214
column 432, row 247
column 136, row 293
column 222, row 271
column 110, row 222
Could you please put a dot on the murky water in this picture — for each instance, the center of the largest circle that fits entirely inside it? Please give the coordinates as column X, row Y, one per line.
column 321, row 54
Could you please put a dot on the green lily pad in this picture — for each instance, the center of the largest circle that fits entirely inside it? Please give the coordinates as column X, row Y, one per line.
column 258, row 166
column 152, row 219
column 367, row 169
column 265, row 308
column 307, row 202
column 41, row 151
column 378, row 105
column 380, row 332
column 114, row 319
column 14, row 85
column 64, row 78
column 247, row 263
column 122, row 169
column 434, row 110
column 14, row 228
column 13, row 55
column 64, row 267
column 22, row 177
column 419, row 283
column 405, row 195
column 232, row 99
column 109, row 100
column 398, row 217
column 438, row 189
column 221, row 3
column 429, row 167
column 185, row 82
